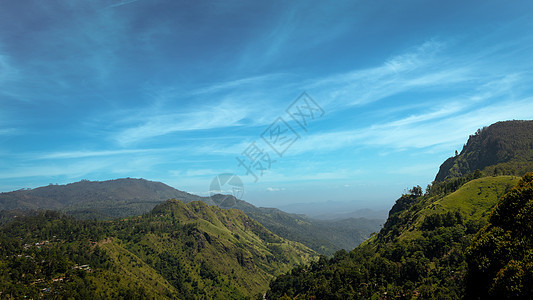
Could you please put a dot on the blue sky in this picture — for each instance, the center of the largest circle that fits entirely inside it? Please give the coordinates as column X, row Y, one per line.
column 176, row 91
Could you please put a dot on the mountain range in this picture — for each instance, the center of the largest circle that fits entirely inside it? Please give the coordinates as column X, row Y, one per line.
column 468, row 235
column 130, row 197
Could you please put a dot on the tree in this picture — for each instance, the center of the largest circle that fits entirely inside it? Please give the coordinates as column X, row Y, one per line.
column 500, row 259
column 416, row 191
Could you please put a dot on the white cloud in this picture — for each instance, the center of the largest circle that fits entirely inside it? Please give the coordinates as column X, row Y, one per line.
column 422, row 67
column 242, row 83
column 83, row 154
column 447, row 126
column 274, row 189
column 121, row 3
column 203, row 119
column 202, row 173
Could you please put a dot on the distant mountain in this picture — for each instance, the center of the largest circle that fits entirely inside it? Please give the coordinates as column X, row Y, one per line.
column 421, row 251
column 129, row 197
column 323, row 236
column 100, row 199
column 177, row 251
column 334, row 210
column 503, row 148
column 360, row 213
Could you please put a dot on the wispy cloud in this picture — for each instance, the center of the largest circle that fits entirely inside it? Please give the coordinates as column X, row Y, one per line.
column 121, row 3
column 73, row 170
column 7, row 70
column 275, row 189
column 421, row 68
column 241, row 84
column 447, row 127
column 84, row 154
column 8, row 131
column 202, row 119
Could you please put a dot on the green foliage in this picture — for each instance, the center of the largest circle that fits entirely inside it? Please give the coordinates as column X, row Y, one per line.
column 128, row 197
column 500, row 259
column 419, row 253
column 189, row 251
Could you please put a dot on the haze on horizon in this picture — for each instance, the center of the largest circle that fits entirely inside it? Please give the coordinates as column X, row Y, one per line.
column 179, row 91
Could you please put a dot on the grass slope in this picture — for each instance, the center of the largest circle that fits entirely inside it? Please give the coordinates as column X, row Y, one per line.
column 474, row 200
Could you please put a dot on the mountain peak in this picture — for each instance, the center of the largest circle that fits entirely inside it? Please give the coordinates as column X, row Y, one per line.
column 109, row 199
column 503, row 148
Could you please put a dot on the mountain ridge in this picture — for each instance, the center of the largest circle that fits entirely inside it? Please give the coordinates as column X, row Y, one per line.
column 506, row 147
column 126, row 197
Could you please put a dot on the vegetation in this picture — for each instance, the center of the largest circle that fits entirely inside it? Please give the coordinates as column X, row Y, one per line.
column 120, row 198
column 86, row 199
column 431, row 246
column 504, row 148
column 325, row 237
column 419, row 252
column 187, row 251
column 500, row 259
column 469, row 235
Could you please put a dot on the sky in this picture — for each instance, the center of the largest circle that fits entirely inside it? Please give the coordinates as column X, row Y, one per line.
column 305, row 101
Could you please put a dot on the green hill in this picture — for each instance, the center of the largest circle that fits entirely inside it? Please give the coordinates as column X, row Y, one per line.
column 184, row 251
column 474, row 201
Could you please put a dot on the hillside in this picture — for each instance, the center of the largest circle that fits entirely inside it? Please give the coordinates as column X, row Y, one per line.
column 101, row 199
column 184, row 251
column 500, row 259
column 323, row 236
column 421, row 251
column 418, row 253
column 129, row 197
column 503, row 148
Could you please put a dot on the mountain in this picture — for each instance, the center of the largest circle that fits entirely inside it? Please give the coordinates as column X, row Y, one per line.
column 323, row 236
column 334, row 210
column 431, row 246
column 129, row 197
column 101, row 199
column 177, row 251
column 503, row 148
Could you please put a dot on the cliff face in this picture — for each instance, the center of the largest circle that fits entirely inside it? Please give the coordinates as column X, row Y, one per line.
column 499, row 144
